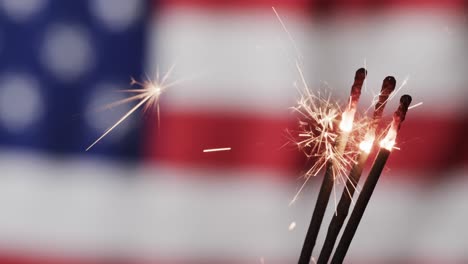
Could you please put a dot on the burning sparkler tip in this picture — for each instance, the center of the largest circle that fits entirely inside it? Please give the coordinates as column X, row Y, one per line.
column 405, row 100
column 388, row 86
column 360, row 74
column 398, row 117
column 389, row 83
column 357, row 86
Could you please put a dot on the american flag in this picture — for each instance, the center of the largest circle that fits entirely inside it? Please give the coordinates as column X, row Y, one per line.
column 147, row 193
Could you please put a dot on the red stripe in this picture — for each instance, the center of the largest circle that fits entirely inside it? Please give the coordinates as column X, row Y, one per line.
column 347, row 9
column 297, row 5
column 255, row 141
column 427, row 144
column 12, row 258
column 303, row 5
column 426, row 3
column 388, row 4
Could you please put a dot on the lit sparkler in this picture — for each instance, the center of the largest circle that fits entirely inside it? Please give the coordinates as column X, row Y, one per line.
column 321, row 137
column 335, row 161
column 398, row 117
column 365, row 147
column 386, row 145
column 148, row 94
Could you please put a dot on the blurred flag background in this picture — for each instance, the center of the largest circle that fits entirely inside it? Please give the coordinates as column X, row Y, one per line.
column 149, row 194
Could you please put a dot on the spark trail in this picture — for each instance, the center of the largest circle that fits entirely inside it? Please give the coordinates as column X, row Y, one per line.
column 148, row 94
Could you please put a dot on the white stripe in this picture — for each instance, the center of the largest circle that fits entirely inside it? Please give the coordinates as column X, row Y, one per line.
column 426, row 47
column 87, row 208
column 241, row 61
column 245, row 59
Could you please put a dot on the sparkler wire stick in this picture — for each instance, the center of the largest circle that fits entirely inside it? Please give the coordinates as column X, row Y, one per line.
column 386, row 146
column 329, row 177
column 342, row 209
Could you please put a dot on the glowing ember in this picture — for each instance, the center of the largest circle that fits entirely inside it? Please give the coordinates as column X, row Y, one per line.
column 292, row 226
column 367, row 143
column 389, row 141
column 398, row 117
column 216, row 149
column 347, row 118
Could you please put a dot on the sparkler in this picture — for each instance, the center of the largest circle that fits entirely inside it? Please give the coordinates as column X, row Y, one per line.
column 333, row 162
column 386, row 145
column 365, row 147
column 148, row 94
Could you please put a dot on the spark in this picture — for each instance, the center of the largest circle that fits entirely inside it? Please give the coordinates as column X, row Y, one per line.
column 292, row 226
column 216, row 149
column 403, row 84
column 375, row 96
column 148, row 93
column 416, row 105
column 318, row 136
column 291, row 39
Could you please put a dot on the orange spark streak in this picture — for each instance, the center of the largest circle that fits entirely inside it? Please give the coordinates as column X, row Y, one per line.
column 216, row 149
column 119, row 122
column 416, row 105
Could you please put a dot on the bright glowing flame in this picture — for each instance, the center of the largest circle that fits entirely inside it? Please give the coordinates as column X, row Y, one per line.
column 389, row 141
column 347, row 119
column 366, row 145
column 368, row 142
